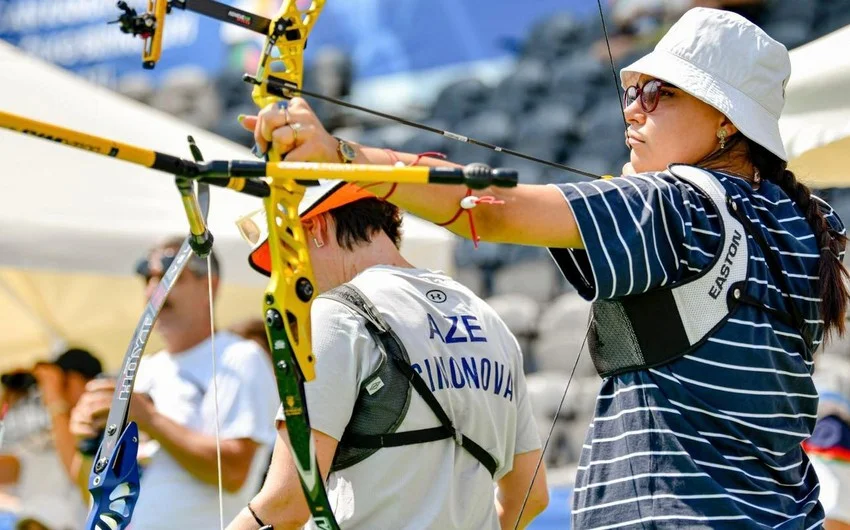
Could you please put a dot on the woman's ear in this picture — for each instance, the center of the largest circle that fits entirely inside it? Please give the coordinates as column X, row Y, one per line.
column 727, row 124
column 316, row 229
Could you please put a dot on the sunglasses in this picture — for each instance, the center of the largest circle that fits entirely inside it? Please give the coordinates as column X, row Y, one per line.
column 164, row 260
column 649, row 94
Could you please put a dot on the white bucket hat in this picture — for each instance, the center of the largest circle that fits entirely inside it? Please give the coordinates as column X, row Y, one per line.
column 729, row 63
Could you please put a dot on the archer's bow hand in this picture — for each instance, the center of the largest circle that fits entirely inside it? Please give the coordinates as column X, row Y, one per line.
column 293, row 128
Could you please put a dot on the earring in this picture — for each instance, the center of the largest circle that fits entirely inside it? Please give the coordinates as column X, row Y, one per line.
column 721, row 134
column 318, row 243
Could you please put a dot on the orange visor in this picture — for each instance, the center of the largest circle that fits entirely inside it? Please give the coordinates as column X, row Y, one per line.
column 329, row 194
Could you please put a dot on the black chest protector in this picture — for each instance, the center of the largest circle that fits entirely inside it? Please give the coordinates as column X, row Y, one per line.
column 384, row 397
column 655, row 328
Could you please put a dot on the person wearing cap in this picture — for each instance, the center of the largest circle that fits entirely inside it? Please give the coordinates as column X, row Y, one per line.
column 44, row 449
column 178, row 400
column 62, row 382
column 714, row 275
column 419, row 403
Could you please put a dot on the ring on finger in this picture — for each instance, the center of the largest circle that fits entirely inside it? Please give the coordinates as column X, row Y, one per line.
column 295, row 128
column 282, row 105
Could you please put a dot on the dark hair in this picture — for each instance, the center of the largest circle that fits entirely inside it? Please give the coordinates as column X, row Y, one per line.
column 356, row 222
column 831, row 271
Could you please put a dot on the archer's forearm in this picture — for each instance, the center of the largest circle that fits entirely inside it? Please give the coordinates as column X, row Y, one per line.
column 435, row 203
column 64, row 442
column 196, row 452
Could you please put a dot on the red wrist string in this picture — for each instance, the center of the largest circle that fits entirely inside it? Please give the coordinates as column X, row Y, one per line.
column 469, row 202
column 430, row 154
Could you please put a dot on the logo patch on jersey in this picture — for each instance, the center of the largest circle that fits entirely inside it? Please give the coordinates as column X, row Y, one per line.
column 374, row 385
column 436, row 295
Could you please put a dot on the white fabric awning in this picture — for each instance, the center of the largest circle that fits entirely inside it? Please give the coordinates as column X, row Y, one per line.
column 815, row 124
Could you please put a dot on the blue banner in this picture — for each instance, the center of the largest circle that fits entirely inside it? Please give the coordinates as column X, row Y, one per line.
column 382, row 36
column 75, row 34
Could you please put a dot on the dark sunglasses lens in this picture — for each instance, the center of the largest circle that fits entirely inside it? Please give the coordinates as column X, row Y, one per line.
column 629, row 96
column 650, row 94
column 143, row 267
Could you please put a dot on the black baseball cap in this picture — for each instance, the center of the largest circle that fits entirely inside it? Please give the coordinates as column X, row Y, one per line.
column 80, row 361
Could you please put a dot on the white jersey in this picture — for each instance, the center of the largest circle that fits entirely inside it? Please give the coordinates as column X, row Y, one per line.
column 180, row 386
column 472, row 364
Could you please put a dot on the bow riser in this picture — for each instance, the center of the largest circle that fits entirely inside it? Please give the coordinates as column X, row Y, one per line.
column 289, row 295
column 291, row 288
column 115, row 490
column 287, row 37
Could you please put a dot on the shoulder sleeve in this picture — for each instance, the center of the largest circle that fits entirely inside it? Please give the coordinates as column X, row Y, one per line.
column 247, row 393
column 345, row 355
column 639, row 232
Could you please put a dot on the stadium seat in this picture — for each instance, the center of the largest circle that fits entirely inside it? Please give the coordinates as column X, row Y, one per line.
column 537, row 279
column 189, row 95
column 491, row 126
column 471, row 277
column 790, row 23
column 561, row 333
column 549, row 121
column 519, row 312
column 554, row 37
column 522, row 88
column 831, row 15
column 459, row 100
column 568, row 421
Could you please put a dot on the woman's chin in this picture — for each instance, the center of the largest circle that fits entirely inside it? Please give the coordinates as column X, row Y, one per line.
column 640, row 165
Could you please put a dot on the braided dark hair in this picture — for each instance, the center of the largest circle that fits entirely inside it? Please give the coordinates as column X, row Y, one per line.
column 831, row 271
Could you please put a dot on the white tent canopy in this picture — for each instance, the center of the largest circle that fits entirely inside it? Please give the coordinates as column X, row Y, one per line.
column 815, row 124
column 72, row 224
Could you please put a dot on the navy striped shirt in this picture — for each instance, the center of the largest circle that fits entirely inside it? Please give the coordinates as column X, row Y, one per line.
column 713, row 438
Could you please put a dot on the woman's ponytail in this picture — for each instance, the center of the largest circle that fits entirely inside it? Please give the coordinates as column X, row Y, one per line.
column 832, row 274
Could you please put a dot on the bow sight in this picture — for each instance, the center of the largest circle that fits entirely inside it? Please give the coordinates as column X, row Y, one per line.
column 150, row 24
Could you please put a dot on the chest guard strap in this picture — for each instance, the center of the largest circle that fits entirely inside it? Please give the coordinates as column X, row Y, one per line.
column 652, row 329
column 385, row 397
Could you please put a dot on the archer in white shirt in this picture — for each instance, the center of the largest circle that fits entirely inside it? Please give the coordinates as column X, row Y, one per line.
column 174, row 405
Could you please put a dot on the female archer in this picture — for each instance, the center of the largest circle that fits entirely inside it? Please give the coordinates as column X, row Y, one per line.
column 714, row 276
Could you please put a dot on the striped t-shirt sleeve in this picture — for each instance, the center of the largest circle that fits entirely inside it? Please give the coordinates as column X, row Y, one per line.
column 640, row 232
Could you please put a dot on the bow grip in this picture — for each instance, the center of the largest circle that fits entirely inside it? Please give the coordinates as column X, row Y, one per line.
column 115, row 487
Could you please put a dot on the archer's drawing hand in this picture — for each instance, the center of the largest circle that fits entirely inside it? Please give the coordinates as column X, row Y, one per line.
column 89, row 415
column 292, row 128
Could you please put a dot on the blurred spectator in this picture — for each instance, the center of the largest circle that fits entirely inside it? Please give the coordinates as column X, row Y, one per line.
column 179, row 400
column 829, row 446
column 41, row 442
column 61, row 384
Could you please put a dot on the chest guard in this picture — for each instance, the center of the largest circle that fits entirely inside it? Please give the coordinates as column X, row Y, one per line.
column 652, row 329
column 384, row 397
